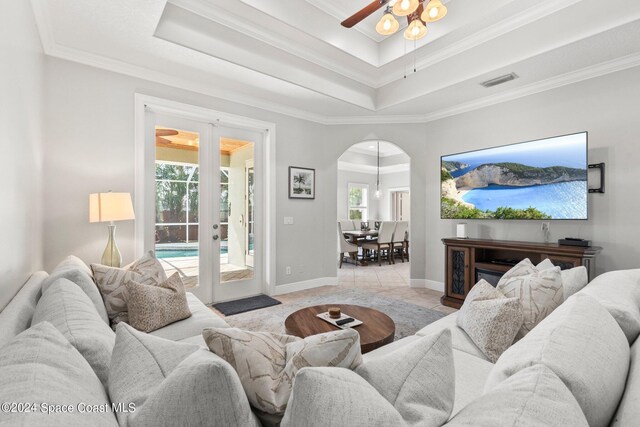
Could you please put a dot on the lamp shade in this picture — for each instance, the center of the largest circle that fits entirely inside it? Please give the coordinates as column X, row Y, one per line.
column 434, row 11
column 415, row 31
column 387, row 25
column 105, row 207
column 405, row 7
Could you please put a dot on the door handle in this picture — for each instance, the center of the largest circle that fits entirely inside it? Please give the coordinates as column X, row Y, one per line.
column 216, row 237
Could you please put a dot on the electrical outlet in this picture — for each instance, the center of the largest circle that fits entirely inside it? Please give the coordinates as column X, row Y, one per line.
column 288, row 220
column 287, row 270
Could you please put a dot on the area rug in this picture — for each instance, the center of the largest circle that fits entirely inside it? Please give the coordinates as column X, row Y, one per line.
column 409, row 318
column 246, row 304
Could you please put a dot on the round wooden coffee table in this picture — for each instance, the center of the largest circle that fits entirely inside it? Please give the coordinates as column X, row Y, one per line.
column 377, row 329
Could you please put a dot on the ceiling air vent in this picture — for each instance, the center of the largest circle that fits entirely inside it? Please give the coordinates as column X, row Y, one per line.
column 499, row 80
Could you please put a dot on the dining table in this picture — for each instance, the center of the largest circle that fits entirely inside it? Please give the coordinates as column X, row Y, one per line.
column 354, row 237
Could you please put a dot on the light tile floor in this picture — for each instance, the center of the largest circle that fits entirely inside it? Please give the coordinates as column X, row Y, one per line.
column 388, row 280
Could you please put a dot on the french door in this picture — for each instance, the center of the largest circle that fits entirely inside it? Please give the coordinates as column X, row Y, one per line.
column 208, row 206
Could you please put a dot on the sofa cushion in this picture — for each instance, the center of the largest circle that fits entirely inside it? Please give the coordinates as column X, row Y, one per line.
column 74, row 269
column 534, row 396
column 628, row 412
column 174, row 384
column 490, row 319
column 539, row 291
column 40, row 366
column 392, row 390
column 152, row 307
column 619, row 293
column 16, row 316
column 391, row 347
column 471, row 375
column 583, row 345
column 111, row 280
column 459, row 338
column 201, row 317
column 267, row 363
column 71, row 312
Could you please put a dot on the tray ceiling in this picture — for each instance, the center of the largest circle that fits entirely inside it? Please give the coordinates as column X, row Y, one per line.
column 293, row 57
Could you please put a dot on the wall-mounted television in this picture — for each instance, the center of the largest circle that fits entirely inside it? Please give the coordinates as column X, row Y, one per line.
column 539, row 180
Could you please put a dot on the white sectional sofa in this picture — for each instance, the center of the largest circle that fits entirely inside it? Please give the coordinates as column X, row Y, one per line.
column 598, row 327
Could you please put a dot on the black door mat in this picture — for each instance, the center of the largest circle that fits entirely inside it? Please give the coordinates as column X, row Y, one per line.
column 246, row 304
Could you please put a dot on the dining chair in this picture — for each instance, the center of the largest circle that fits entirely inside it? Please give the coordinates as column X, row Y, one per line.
column 347, row 225
column 399, row 239
column 383, row 242
column 346, row 247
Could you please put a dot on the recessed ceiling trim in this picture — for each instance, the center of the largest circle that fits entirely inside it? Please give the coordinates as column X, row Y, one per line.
column 384, row 170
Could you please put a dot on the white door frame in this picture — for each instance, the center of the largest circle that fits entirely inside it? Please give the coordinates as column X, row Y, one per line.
column 390, row 191
column 249, row 164
column 145, row 156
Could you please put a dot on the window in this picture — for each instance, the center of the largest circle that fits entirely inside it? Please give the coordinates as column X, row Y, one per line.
column 358, row 201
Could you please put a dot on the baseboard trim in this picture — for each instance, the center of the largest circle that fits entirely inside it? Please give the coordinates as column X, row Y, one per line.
column 305, row 284
column 427, row 284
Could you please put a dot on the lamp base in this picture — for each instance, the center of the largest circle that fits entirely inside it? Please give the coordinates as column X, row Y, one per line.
column 111, row 255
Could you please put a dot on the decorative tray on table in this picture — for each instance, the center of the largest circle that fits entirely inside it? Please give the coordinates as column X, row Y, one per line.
column 325, row 316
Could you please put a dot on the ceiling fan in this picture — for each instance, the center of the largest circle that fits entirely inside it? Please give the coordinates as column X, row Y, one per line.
column 415, row 10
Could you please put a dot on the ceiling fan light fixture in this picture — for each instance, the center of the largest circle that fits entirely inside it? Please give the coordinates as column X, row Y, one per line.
column 387, row 25
column 405, row 7
column 434, row 11
column 415, row 31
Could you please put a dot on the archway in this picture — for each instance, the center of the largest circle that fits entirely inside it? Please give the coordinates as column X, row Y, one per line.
column 373, row 188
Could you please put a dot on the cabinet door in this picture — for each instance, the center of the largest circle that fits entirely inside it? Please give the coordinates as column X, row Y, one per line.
column 458, row 272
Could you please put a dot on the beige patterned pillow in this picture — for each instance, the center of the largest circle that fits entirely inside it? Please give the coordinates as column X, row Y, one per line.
column 110, row 280
column 490, row 319
column 153, row 306
column 540, row 292
column 267, row 363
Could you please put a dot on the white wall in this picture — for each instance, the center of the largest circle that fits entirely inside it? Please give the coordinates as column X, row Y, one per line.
column 387, row 183
column 347, row 177
column 21, row 83
column 608, row 108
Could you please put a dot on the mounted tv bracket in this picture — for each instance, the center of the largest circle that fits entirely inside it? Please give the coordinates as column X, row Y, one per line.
column 599, row 166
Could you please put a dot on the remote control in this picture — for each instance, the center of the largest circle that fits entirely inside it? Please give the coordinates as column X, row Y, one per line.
column 573, row 239
column 345, row 321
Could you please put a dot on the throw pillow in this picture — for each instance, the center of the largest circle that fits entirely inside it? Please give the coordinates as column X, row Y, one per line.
column 490, row 319
column 583, row 345
column 534, row 396
column 39, row 366
column 74, row 269
column 71, row 312
column 573, row 279
column 540, row 292
column 110, row 280
column 411, row 386
column 174, row 384
column 152, row 307
column 267, row 363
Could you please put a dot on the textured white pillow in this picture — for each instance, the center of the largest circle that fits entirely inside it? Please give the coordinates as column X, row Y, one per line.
column 583, row 345
column 111, row 280
column 174, row 384
column 41, row 366
column 411, row 386
column 267, row 363
column 540, row 292
column 573, row 279
column 72, row 313
column 490, row 319
column 534, row 396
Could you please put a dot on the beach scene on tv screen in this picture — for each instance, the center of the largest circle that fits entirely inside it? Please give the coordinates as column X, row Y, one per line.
column 545, row 179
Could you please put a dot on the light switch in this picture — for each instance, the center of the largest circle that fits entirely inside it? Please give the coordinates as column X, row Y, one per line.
column 288, row 220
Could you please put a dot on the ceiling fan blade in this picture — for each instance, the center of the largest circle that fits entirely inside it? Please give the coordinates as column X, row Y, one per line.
column 166, row 132
column 363, row 13
column 160, row 140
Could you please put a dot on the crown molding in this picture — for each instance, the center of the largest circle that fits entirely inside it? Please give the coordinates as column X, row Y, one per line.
column 52, row 48
column 372, row 170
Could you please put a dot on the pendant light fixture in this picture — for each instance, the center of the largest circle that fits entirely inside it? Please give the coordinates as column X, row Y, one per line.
column 405, row 7
column 434, row 11
column 377, row 193
column 415, row 31
column 388, row 24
